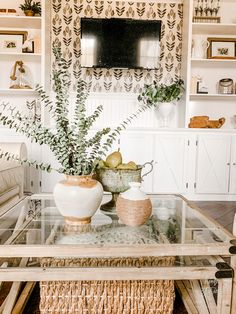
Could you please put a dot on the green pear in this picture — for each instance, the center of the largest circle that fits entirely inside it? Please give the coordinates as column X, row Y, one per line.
column 123, row 166
column 132, row 165
column 129, row 166
column 101, row 164
column 113, row 160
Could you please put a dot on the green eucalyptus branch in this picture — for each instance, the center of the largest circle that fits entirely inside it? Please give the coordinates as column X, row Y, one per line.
column 75, row 151
column 40, row 166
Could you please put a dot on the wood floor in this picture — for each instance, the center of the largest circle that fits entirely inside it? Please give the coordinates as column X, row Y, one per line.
column 223, row 212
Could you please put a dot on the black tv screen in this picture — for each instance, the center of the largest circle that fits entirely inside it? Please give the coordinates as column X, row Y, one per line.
column 120, row 43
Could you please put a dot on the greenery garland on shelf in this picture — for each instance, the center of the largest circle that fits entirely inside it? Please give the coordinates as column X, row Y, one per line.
column 76, row 153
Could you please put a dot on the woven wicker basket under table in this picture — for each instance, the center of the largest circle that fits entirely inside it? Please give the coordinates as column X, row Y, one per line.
column 107, row 297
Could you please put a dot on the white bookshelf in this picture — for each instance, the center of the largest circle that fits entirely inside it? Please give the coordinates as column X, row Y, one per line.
column 14, row 22
column 9, row 92
column 214, row 28
column 21, row 55
column 213, row 104
column 224, row 61
column 35, row 62
column 200, row 96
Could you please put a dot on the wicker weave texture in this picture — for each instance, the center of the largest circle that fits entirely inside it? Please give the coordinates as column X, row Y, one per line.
column 107, row 297
column 133, row 213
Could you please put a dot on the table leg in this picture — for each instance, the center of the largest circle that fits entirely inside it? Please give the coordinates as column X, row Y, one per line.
column 233, row 265
column 224, row 296
column 233, row 301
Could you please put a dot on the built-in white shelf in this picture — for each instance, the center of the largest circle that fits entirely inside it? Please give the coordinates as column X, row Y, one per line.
column 21, row 54
column 9, row 92
column 13, row 22
column 214, row 28
column 213, row 60
column 195, row 96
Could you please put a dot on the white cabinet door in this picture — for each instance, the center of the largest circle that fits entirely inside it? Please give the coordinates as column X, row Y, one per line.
column 232, row 185
column 213, row 163
column 138, row 147
column 171, row 163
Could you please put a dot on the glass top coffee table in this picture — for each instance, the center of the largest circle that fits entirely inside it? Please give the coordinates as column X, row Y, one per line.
column 178, row 233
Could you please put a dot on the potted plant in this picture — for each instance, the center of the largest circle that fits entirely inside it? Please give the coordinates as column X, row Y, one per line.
column 79, row 195
column 163, row 97
column 31, row 7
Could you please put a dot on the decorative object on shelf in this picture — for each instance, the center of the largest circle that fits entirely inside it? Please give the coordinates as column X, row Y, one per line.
column 8, row 12
column 226, row 86
column 69, row 141
column 201, row 87
column 165, row 110
column 31, row 8
column 133, row 206
column 21, row 77
column 195, row 79
column 206, row 11
column 163, row 97
column 12, row 41
column 199, row 47
column 28, row 46
column 234, row 120
column 204, row 122
column 221, row 48
column 117, row 181
column 206, row 19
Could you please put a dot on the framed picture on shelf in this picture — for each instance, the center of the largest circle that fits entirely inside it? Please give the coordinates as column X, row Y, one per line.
column 202, row 88
column 221, row 48
column 28, row 46
column 12, row 41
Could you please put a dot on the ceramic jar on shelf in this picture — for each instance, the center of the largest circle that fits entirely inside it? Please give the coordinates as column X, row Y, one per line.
column 199, row 47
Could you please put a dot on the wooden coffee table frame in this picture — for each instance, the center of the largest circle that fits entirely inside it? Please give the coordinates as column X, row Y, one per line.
column 220, row 271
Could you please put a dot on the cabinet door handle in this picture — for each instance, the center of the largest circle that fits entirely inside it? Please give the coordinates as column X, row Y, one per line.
column 228, row 163
column 234, row 164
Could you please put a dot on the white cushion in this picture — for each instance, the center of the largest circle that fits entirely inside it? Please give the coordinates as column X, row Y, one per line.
column 7, row 195
column 5, row 207
column 11, row 178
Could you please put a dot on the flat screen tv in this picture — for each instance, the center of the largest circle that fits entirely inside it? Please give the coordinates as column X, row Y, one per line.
column 120, row 43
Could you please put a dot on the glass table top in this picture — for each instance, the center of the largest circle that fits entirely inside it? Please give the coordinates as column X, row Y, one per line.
column 175, row 229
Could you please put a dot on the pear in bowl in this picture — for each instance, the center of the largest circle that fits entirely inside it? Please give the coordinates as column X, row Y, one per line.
column 114, row 160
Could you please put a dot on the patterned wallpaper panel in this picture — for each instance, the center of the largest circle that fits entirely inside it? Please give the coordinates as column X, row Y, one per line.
column 66, row 16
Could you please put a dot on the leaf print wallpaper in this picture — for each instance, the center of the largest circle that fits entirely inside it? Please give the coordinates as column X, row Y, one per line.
column 66, row 16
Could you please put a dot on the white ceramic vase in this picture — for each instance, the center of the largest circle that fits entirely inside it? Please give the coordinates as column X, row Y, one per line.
column 78, row 198
column 199, row 46
column 165, row 109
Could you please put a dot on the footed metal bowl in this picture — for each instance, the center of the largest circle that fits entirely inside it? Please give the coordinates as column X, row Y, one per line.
column 117, row 181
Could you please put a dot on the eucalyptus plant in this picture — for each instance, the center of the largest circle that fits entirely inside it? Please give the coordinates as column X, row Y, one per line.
column 156, row 93
column 69, row 141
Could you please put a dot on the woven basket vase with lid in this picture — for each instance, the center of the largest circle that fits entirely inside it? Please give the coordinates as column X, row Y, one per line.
column 134, row 206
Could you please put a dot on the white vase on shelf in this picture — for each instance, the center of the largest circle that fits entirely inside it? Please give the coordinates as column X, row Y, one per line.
column 165, row 110
column 199, row 47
